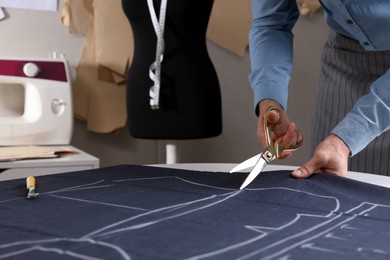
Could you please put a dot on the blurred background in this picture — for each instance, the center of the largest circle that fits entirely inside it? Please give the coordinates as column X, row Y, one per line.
column 26, row 33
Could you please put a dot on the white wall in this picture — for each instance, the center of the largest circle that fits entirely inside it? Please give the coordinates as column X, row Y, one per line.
column 36, row 34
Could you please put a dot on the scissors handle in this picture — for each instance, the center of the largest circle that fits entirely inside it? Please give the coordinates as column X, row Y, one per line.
column 274, row 150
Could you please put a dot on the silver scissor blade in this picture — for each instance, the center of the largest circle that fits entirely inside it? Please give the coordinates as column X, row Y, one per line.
column 260, row 165
column 246, row 164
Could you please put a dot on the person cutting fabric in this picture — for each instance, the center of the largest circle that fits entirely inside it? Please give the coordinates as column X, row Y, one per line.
column 352, row 115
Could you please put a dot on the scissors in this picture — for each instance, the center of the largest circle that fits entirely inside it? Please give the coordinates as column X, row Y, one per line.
column 272, row 152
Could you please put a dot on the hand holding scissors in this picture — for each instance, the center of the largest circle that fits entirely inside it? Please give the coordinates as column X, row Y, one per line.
column 272, row 152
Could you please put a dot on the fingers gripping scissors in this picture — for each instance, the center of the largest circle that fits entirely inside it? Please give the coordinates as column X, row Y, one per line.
column 272, row 152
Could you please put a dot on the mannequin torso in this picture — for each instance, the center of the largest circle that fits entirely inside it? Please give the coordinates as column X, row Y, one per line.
column 190, row 102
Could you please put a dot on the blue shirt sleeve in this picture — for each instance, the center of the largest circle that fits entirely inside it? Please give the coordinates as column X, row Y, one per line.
column 271, row 55
column 271, row 49
column 370, row 117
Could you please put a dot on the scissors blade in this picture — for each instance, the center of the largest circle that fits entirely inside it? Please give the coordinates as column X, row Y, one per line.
column 260, row 165
column 246, row 164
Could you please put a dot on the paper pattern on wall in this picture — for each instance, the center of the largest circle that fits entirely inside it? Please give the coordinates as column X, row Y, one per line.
column 76, row 17
column 308, row 7
column 229, row 25
column 99, row 89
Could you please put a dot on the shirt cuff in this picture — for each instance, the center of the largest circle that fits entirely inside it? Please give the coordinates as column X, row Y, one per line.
column 355, row 132
column 270, row 90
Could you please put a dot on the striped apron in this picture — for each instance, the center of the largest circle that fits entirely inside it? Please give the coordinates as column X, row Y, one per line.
column 347, row 72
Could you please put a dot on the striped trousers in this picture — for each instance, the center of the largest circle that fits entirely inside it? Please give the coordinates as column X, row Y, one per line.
column 347, row 71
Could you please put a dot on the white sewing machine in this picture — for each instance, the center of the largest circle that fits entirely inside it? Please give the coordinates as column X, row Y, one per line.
column 35, row 102
column 36, row 109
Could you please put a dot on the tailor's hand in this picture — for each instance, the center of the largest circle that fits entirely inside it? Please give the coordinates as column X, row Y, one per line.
column 331, row 156
column 282, row 129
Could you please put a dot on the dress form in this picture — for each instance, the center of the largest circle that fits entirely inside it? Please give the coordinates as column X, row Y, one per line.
column 190, row 99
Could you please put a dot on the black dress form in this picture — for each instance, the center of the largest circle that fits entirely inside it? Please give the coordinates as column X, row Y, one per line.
column 190, row 99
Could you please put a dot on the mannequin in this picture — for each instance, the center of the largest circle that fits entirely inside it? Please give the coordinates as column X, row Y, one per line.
column 190, row 99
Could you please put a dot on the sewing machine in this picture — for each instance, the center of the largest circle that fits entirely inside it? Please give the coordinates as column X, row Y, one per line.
column 36, row 110
column 35, row 102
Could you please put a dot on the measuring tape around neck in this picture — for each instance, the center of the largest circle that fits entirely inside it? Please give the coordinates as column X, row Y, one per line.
column 155, row 68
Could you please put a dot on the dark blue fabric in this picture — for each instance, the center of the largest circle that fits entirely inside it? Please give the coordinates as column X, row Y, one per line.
column 140, row 212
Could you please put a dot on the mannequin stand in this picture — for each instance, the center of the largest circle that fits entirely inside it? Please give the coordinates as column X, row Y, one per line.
column 171, row 152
